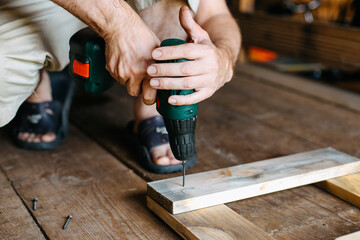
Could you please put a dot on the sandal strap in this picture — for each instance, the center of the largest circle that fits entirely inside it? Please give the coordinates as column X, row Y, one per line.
column 35, row 118
column 152, row 132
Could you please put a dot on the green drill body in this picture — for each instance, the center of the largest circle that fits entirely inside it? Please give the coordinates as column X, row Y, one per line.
column 87, row 48
column 180, row 121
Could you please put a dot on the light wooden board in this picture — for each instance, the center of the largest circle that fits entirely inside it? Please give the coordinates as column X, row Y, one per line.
column 15, row 221
column 217, row 222
column 351, row 236
column 346, row 187
column 252, row 179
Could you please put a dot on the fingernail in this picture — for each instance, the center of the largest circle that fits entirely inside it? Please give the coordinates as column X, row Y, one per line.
column 151, row 70
column 157, row 53
column 154, row 83
column 172, row 101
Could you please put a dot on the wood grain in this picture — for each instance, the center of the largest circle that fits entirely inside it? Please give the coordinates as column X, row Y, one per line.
column 305, row 86
column 346, row 188
column 218, row 222
column 15, row 221
column 106, row 199
column 252, row 179
column 247, row 121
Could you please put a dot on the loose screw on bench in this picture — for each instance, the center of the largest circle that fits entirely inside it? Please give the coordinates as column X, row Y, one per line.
column 67, row 221
column 35, row 203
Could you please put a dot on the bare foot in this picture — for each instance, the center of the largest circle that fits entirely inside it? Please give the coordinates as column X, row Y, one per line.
column 161, row 155
column 42, row 93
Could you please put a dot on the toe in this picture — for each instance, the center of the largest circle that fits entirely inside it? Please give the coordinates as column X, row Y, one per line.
column 162, row 160
column 31, row 137
column 172, row 159
column 162, row 155
column 25, row 136
column 37, row 138
column 48, row 137
column 21, row 136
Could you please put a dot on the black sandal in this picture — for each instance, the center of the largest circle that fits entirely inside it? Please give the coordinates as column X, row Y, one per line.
column 44, row 117
column 152, row 133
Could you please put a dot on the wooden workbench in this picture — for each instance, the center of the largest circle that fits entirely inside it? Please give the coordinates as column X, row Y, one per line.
column 94, row 177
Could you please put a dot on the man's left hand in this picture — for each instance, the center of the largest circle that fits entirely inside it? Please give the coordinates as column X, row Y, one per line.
column 209, row 68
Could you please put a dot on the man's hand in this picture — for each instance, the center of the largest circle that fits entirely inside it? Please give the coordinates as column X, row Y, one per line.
column 128, row 53
column 129, row 41
column 209, row 68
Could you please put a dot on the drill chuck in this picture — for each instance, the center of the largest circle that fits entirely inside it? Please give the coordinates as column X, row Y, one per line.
column 182, row 137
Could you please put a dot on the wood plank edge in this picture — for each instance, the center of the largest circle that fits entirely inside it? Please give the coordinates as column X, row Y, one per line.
column 185, row 233
column 332, row 187
column 160, row 199
column 351, row 236
column 169, row 219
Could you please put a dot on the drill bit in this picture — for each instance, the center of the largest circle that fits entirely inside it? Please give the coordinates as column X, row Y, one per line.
column 184, row 167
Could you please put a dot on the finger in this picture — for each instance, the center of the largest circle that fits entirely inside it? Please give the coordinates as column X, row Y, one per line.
column 137, row 75
column 189, row 51
column 194, row 31
column 115, row 72
column 189, row 99
column 184, row 83
column 148, row 93
column 183, row 69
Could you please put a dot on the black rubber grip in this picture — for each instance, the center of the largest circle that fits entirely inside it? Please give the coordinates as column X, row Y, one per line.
column 182, row 137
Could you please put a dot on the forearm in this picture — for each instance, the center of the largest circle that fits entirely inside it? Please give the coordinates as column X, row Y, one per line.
column 224, row 33
column 104, row 16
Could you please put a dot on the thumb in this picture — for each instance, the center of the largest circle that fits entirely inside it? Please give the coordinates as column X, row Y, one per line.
column 193, row 30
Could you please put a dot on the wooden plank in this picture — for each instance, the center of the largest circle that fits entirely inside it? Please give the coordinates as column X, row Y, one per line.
column 252, row 179
column 303, row 85
column 106, row 199
column 15, row 221
column 217, row 222
column 346, row 188
column 351, row 236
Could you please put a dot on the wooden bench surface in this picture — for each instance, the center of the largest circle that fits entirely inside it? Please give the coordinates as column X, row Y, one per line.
column 95, row 175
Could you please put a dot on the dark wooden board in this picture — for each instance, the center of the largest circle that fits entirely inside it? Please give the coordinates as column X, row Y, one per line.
column 106, row 199
column 246, row 121
column 15, row 220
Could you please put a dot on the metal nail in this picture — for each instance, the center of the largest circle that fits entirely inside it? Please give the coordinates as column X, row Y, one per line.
column 67, row 221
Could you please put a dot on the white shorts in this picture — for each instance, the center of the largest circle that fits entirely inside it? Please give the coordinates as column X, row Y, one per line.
column 34, row 34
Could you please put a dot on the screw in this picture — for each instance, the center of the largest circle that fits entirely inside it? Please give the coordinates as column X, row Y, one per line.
column 35, row 203
column 67, row 221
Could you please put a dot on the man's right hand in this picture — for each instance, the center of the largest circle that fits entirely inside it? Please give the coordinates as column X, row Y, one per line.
column 128, row 53
column 129, row 42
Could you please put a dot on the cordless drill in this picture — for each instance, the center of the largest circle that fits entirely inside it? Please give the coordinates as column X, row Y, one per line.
column 87, row 68
column 180, row 121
